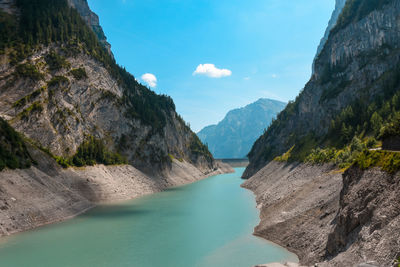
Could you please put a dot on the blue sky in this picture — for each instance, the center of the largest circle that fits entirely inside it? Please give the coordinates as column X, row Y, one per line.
column 259, row 48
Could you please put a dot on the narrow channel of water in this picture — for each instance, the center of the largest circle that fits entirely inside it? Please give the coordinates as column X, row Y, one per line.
column 208, row 223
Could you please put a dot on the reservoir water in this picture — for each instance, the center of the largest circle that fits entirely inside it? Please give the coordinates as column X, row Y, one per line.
column 208, row 223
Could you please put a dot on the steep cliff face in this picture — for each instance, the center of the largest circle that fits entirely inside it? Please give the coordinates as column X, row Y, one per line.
column 234, row 135
column 355, row 73
column 60, row 88
column 339, row 5
column 366, row 225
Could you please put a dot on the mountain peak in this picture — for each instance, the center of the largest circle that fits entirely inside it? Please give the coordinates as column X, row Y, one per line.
column 235, row 134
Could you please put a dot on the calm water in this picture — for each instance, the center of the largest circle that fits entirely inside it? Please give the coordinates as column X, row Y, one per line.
column 208, row 223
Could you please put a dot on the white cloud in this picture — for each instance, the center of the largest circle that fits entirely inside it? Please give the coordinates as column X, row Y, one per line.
column 211, row 71
column 274, row 76
column 150, row 79
column 246, row 78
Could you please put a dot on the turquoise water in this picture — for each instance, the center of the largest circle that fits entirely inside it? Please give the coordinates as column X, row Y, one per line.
column 208, row 223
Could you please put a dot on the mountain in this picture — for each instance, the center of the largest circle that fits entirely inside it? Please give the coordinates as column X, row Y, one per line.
column 76, row 128
column 353, row 91
column 235, row 134
column 60, row 86
column 319, row 165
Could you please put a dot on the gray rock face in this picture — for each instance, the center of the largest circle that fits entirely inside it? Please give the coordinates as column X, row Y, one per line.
column 332, row 22
column 366, row 225
column 236, row 133
column 328, row 218
column 91, row 19
column 348, row 68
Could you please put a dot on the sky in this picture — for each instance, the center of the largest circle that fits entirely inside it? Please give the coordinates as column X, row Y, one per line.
column 212, row 56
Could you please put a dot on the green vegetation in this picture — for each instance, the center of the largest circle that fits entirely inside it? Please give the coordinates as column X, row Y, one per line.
column 26, row 99
column 56, row 61
column 28, row 70
column 344, row 157
column 35, row 107
column 392, row 127
column 13, row 152
column 373, row 115
column 198, row 148
column 285, row 156
column 57, row 81
column 90, row 152
column 79, row 73
column 388, row 161
column 43, row 22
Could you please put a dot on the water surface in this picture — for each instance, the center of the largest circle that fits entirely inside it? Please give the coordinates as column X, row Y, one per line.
column 208, row 223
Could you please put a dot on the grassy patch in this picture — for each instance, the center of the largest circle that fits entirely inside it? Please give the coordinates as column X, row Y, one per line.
column 285, row 156
column 388, row 161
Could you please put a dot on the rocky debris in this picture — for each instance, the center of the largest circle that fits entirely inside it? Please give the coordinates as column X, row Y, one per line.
column 366, row 228
column 297, row 203
column 277, row 264
column 329, row 219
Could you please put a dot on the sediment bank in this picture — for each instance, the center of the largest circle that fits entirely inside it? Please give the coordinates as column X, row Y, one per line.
column 47, row 193
column 327, row 217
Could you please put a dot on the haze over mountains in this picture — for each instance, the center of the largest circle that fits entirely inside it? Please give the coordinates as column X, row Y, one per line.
column 236, row 133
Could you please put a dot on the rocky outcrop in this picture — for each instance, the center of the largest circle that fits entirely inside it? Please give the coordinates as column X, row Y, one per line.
column 354, row 66
column 328, row 218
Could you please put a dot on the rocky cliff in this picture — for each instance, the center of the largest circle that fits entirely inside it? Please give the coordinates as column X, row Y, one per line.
column 339, row 5
column 356, row 75
column 235, row 134
column 58, row 87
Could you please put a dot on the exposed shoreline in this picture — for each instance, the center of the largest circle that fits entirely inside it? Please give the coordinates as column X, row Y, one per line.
column 327, row 217
column 47, row 194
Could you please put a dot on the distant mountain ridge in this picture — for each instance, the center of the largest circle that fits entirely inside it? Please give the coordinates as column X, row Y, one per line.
column 235, row 134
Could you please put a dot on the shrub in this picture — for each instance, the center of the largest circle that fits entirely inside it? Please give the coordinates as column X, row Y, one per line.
column 79, row 73
column 57, row 80
column 56, row 61
column 285, row 156
column 27, row 70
